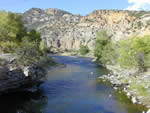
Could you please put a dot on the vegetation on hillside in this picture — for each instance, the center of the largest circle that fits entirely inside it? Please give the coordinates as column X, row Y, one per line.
column 134, row 52
column 14, row 38
column 138, row 14
column 84, row 50
column 104, row 49
column 102, row 40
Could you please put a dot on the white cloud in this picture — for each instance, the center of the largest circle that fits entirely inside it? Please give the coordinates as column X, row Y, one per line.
column 139, row 5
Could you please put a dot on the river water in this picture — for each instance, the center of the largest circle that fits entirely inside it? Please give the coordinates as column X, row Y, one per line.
column 72, row 88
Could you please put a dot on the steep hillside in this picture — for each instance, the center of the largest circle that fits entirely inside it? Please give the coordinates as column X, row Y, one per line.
column 62, row 30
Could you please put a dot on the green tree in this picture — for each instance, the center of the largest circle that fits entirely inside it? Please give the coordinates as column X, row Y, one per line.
column 14, row 38
column 84, row 50
column 43, row 48
column 102, row 40
column 34, row 36
column 135, row 52
column 109, row 54
column 28, row 53
column 12, row 30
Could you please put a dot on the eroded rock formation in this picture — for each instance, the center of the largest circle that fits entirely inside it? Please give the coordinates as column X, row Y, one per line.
column 14, row 78
column 65, row 31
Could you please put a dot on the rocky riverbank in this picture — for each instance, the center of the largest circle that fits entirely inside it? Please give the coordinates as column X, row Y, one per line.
column 135, row 85
column 17, row 78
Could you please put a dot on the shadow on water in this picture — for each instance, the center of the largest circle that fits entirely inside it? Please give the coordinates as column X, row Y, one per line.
column 23, row 102
column 72, row 88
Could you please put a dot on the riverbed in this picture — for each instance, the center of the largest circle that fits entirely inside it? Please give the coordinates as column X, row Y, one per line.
column 71, row 88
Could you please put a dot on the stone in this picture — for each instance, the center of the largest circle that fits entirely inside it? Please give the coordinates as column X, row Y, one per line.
column 148, row 111
column 20, row 78
column 115, row 88
column 62, row 30
column 125, row 89
column 134, row 100
column 129, row 94
column 26, row 71
column 110, row 96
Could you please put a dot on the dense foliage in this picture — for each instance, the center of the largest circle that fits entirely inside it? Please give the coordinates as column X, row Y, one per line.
column 109, row 54
column 84, row 50
column 14, row 38
column 134, row 52
column 102, row 40
column 104, row 48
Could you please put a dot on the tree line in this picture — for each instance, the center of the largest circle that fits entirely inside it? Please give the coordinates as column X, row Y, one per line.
column 128, row 53
column 15, row 39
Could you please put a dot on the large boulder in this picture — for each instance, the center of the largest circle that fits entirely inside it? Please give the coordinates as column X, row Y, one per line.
column 15, row 78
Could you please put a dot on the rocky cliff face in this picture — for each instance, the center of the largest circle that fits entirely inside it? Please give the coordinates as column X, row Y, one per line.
column 62, row 30
column 14, row 78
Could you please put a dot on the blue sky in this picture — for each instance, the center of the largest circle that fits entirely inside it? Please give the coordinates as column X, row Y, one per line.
column 82, row 7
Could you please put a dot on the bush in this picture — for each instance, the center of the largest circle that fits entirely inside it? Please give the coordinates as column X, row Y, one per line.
column 11, row 27
column 7, row 47
column 43, row 48
column 139, row 25
column 102, row 40
column 13, row 32
column 135, row 52
column 84, row 50
column 105, row 51
column 109, row 54
column 28, row 53
column 14, row 38
column 131, row 53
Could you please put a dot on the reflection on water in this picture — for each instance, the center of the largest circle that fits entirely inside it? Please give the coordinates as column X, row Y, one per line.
column 71, row 89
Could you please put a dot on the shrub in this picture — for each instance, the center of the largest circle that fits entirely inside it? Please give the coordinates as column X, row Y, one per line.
column 84, row 50
column 109, row 54
column 135, row 52
column 28, row 53
column 7, row 47
column 42, row 47
column 131, row 53
column 102, row 40
column 139, row 25
column 11, row 27
column 14, row 38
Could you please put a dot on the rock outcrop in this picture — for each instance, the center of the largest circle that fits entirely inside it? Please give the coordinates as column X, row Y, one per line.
column 13, row 78
column 62, row 30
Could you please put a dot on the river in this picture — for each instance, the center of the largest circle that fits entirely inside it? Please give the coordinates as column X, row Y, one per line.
column 72, row 88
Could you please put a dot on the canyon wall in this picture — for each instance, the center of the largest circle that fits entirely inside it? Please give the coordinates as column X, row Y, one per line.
column 62, row 30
